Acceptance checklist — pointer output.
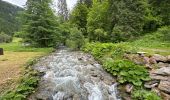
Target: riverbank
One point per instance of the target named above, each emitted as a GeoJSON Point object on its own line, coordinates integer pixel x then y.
{"type": "Point", "coordinates": [13, 63]}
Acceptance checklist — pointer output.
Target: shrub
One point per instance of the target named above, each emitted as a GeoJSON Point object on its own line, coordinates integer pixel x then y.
{"type": "Point", "coordinates": [100, 34]}
{"type": "Point", "coordinates": [98, 50]}
{"type": "Point", "coordinates": [76, 39]}
{"type": "Point", "coordinates": [165, 31]}
{"type": "Point", "coordinates": [141, 94]}
{"type": "Point", "coordinates": [5, 38]}
{"type": "Point", "coordinates": [127, 71]}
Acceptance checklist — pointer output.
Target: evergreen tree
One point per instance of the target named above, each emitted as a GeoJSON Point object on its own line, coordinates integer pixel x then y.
{"type": "Point", "coordinates": [161, 9]}
{"type": "Point", "coordinates": [40, 24]}
{"type": "Point", "coordinates": [119, 19]}
{"type": "Point", "coordinates": [79, 17]}
{"type": "Point", "coordinates": [63, 11]}
{"type": "Point", "coordinates": [98, 20]}
{"type": "Point", "coordinates": [8, 21]}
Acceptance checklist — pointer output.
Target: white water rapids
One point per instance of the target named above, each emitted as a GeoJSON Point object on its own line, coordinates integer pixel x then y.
{"type": "Point", "coordinates": [73, 76]}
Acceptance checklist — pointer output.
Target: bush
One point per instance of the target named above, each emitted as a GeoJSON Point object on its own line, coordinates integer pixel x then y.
{"type": "Point", "coordinates": [100, 34]}
{"type": "Point", "coordinates": [127, 71]}
{"type": "Point", "coordinates": [76, 39]}
{"type": "Point", "coordinates": [165, 31]}
{"type": "Point", "coordinates": [5, 38]}
{"type": "Point", "coordinates": [98, 50]}
{"type": "Point", "coordinates": [142, 94]}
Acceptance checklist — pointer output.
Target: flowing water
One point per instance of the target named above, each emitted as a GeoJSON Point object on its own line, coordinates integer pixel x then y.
{"type": "Point", "coordinates": [73, 76]}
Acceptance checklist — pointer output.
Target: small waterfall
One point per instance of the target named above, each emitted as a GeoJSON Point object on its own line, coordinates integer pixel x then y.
{"type": "Point", "coordinates": [94, 92]}
{"type": "Point", "coordinates": [75, 76]}
{"type": "Point", "coordinates": [114, 92]}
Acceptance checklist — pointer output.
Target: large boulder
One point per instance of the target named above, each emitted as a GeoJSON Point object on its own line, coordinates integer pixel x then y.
{"type": "Point", "coordinates": [165, 71]}
{"type": "Point", "coordinates": [159, 58]}
{"type": "Point", "coordinates": [164, 86]}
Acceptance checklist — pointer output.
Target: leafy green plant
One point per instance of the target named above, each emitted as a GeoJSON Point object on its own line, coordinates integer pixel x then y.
{"type": "Point", "coordinates": [141, 94]}
{"type": "Point", "coordinates": [127, 71]}
{"type": "Point", "coordinates": [98, 50]}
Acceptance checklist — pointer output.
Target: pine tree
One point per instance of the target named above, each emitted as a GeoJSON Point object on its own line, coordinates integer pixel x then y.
{"type": "Point", "coordinates": [63, 11]}
{"type": "Point", "coordinates": [40, 23]}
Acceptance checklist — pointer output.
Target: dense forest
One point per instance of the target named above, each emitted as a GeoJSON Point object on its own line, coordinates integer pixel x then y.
{"type": "Point", "coordinates": [97, 20]}
{"type": "Point", "coordinates": [8, 22]}
{"type": "Point", "coordinates": [129, 38]}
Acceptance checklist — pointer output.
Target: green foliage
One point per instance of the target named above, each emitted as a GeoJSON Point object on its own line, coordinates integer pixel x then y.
{"type": "Point", "coordinates": [98, 50]}
{"type": "Point", "coordinates": [40, 24]}
{"type": "Point", "coordinates": [100, 34]}
{"type": "Point", "coordinates": [165, 32]}
{"type": "Point", "coordinates": [5, 38]}
{"type": "Point", "coordinates": [142, 94]}
{"type": "Point", "coordinates": [157, 40]}
{"type": "Point", "coordinates": [127, 71]}
{"type": "Point", "coordinates": [128, 17]}
{"type": "Point", "coordinates": [76, 39]}
{"type": "Point", "coordinates": [115, 51]}
{"type": "Point", "coordinates": [79, 16]}
{"type": "Point", "coordinates": [97, 19]}
{"type": "Point", "coordinates": [161, 9]}
{"type": "Point", "coordinates": [8, 22]}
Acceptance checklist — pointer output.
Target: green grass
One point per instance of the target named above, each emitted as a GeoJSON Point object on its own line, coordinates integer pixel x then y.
{"type": "Point", "coordinates": [157, 42]}
{"type": "Point", "coordinates": [16, 46]}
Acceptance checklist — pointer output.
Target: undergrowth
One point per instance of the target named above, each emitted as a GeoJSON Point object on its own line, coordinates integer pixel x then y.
{"type": "Point", "coordinates": [127, 71]}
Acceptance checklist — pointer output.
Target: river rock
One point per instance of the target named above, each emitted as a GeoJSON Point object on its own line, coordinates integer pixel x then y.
{"type": "Point", "coordinates": [151, 84]}
{"type": "Point", "coordinates": [159, 58]}
{"type": "Point", "coordinates": [164, 86]}
{"type": "Point", "coordinates": [129, 88]}
{"type": "Point", "coordinates": [165, 71]}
